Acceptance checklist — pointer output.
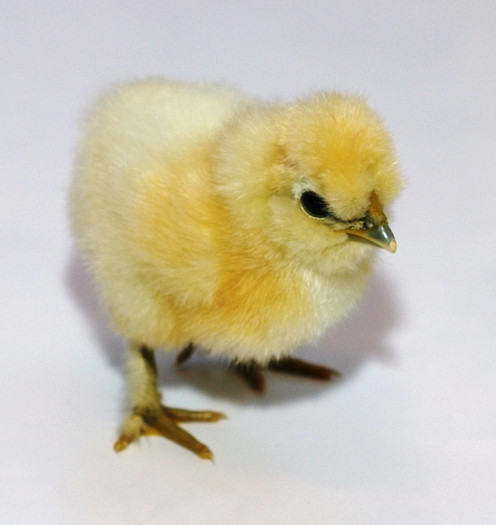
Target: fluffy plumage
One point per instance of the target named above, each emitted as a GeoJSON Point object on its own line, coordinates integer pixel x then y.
{"type": "Point", "coordinates": [187, 204]}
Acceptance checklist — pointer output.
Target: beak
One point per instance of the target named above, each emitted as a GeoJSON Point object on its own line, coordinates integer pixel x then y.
{"type": "Point", "coordinates": [379, 231]}
{"type": "Point", "coordinates": [381, 236]}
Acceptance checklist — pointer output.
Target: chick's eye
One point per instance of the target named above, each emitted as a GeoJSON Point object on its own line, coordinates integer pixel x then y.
{"type": "Point", "coordinates": [314, 205]}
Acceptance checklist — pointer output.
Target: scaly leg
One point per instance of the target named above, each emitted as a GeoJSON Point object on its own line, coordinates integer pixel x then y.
{"type": "Point", "coordinates": [149, 416]}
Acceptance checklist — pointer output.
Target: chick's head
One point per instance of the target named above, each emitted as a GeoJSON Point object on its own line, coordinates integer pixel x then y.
{"type": "Point", "coordinates": [313, 178]}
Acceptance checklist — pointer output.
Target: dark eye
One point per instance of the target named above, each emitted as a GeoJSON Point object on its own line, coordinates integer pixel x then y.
{"type": "Point", "coordinates": [314, 205]}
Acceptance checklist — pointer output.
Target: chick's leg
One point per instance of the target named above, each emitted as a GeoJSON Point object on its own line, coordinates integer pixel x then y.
{"type": "Point", "coordinates": [252, 373]}
{"type": "Point", "coordinates": [149, 416]}
{"type": "Point", "coordinates": [185, 354]}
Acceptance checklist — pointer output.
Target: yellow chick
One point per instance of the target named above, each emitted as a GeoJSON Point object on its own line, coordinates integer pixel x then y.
{"type": "Point", "coordinates": [215, 220]}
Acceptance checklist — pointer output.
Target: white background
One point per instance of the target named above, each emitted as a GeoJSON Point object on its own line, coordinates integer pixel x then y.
{"type": "Point", "coordinates": [408, 435]}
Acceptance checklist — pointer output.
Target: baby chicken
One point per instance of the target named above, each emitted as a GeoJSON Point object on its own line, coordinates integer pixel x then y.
{"type": "Point", "coordinates": [212, 219]}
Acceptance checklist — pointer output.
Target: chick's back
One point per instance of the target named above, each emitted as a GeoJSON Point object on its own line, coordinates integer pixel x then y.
{"type": "Point", "coordinates": [141, 196]}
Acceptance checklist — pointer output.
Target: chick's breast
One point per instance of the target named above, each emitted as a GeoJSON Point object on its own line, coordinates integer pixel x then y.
{"type": "Point", "coordinates": [189, 275]}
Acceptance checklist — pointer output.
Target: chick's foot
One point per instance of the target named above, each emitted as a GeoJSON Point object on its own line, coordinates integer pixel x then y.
{"type": "Point", "coordinates": [291, 365]}
{"type": "Point", "coordinates": [164, 422]}
{"type": "Point", "coordinates": [253, 372]}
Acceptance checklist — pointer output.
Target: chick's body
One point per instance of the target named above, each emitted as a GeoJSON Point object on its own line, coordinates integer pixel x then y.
{"type": "Point", "coordinates": [188, 205]}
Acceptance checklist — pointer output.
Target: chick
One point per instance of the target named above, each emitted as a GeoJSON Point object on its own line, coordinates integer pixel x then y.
{"type": "Point", "coordinates": [213, 219]}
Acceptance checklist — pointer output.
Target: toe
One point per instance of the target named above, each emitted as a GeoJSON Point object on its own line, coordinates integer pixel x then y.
{"type": "Point", "coordinates": [181, 415]}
